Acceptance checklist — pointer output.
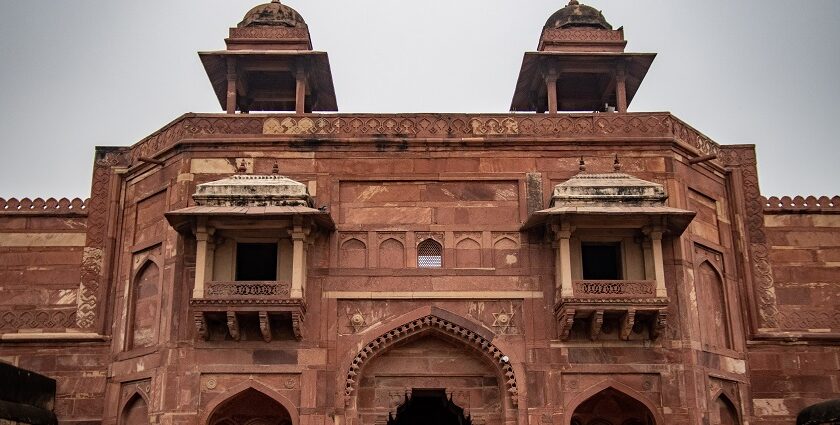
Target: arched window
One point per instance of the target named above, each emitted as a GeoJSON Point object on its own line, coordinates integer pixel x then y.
{"type": "Point", "coordinates": [391, 254]}
{"type": "Point", "coordinates": [429, 254]}
{"type": "Point", "coordinates": [468, 254]}
{"type": "Point", "coordinates": [135, 412]}
{"type": "Point", "coordinates": [353, 254]}
{"type": "Point", "coordinates": [726, 412]}
{"type": "Point", "coordinates": [143, 324]}
{"type": "Point", "coordinates": [714, 321]}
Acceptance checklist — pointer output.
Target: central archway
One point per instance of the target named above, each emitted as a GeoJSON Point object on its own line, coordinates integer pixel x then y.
{"type": "Point", "coordinates": [429, 354]}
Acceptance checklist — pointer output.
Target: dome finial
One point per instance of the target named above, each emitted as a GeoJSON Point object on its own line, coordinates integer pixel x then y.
{"type": "Point", "coordinates": [573, 2]}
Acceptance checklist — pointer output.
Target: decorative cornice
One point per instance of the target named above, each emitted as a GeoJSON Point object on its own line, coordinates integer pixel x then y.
{"type": "Point", "coordinates": [426, 126]}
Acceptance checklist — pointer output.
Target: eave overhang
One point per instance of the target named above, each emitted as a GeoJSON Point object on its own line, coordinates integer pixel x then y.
{"type": "Point", "coordinates": [182, 220]}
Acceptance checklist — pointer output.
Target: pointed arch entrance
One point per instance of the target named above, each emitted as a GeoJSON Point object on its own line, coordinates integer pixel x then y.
{"type": "Point", "coordinates": [611, 406]}
{"type": "Point", "coordinates": [431, 361]}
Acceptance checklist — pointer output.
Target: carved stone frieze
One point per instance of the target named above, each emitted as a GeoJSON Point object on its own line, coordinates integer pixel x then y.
{"type": "Point", "coordinates": [763, 283]}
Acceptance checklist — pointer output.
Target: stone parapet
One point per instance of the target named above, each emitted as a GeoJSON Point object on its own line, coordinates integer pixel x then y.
{"type": "Point", "coordinates": [39, 206]}
{"type": "Point", "coordinates": [809, 204]}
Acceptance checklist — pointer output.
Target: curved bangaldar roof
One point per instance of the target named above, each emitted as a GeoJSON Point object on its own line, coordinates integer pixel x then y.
{"type": "Point", "coordinates": [576, 15]}
{"type": "Point", "coordinates": [252, 190]}
{"type": "Point", "coordinates": [274, 14]}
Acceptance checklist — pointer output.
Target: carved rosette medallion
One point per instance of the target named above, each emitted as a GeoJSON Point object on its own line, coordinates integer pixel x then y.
{"type": "Point", "coordinates": [357, 321]}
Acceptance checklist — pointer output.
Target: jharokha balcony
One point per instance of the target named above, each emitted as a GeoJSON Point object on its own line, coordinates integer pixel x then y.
{"type": "Point", "coordinates": [235, 304]}
{"type": "Point", "coordinates": [609, 231]}
{"type": "Point", "coordinates": [631, 306]}
{"type": "Point", "coordinates": [251, 235]}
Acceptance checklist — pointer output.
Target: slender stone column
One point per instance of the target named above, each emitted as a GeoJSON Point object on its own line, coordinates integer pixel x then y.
{"type": "Point", "coordinates": [203, 258]}
{"type": "Point", "coordinates": [621, 88]}
{"type": "Point", "coordinates": [658, 263]}
{"type": "Point", "coordinates": [298, 262]}
{"type": "Point", "coordinates": [231, 87]}
{"type": "Point", "coordinates": [300, 92]}
{"type": "Point", "coordinates": [563, 261]}
{"type": "Point", "coordinates": [551, 88]}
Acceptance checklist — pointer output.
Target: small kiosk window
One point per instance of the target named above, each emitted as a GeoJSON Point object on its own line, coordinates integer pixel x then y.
{"type": "Point", "coordinates": [601, 261]}
{"type": "Point", "coordinates": [256, 261]}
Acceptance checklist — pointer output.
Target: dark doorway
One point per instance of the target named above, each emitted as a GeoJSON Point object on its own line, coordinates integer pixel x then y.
{"type": "Point", "coordinates": [427, 407]}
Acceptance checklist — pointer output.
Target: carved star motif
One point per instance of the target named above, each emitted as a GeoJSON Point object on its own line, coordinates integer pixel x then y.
{"type": "Point", "coordinates": [503, 320]}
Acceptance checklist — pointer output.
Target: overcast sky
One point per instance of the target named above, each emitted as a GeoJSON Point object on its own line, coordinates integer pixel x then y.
{"type": "Point", "coordinates": [75, 74]}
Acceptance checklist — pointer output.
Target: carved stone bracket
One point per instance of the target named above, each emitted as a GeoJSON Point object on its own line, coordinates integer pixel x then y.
{"type": "Point", "coordinates": [201, 325]}
{"type": "Point", "coordinates": [596, 325]}
{"type": "Point", "coordinates": [627, 322]}
{"type": "Point", "coordinates": [660, 321]}
{"type": "Point", "coordinates": [233, 325]}
{"type": "Point", "coordinates": [565, 322]}
{"type": "Point", "coordinates": [265, 326]}
{"type": "Point", "coordinates": [297, 325]}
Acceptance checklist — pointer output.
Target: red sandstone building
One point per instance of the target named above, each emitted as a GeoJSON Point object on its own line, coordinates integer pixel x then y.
{"type": "Point", "coordinates": [571, 263]}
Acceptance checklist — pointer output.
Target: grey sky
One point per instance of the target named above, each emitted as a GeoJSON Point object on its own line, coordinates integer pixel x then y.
{"type": "Point", "coordinates": [76, 74]}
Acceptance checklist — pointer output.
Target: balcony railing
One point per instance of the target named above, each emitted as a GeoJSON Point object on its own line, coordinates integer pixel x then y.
{"type": "Point", "coordinates": [247, 289]}
{"type": "Point", "coordinates": [600, 289]}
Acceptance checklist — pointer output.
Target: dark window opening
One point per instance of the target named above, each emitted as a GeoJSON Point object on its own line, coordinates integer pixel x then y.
{"type": "Point", "coordinates": [601, 261]}
{"type": "Point", "coordinates": [256, 261]}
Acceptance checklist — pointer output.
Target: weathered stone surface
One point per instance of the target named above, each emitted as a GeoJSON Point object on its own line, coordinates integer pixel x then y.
{"type": "Point", "coordinates": [732, 318]}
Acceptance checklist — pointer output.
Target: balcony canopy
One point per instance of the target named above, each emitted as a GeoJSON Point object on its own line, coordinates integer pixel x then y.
{"type": "Point", "coordinates": [248, 196]}
{"type": "Point", "coordinates": [611, 200]}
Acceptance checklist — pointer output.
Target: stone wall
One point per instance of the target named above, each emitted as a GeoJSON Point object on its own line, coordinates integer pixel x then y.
{"type": "Point", "coordinates": [41, 245]}
{"type": "Point", "coordinates": [805, 256]}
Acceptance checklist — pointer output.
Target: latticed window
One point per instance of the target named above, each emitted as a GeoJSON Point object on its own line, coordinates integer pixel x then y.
{"type": "Point", "coordinates": [429, 254]}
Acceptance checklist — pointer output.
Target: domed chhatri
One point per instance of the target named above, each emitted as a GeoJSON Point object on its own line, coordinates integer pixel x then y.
{"type": "Point", "coordinates": [274, 14]}
{"type": "Point", "coordinates": [576, 15]}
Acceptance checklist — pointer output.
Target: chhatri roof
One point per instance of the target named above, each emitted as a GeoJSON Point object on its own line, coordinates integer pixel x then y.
{"type": "Point", "coordinates": [578, 15]}
{"type": "Point", "coordinates": [274, 14]}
